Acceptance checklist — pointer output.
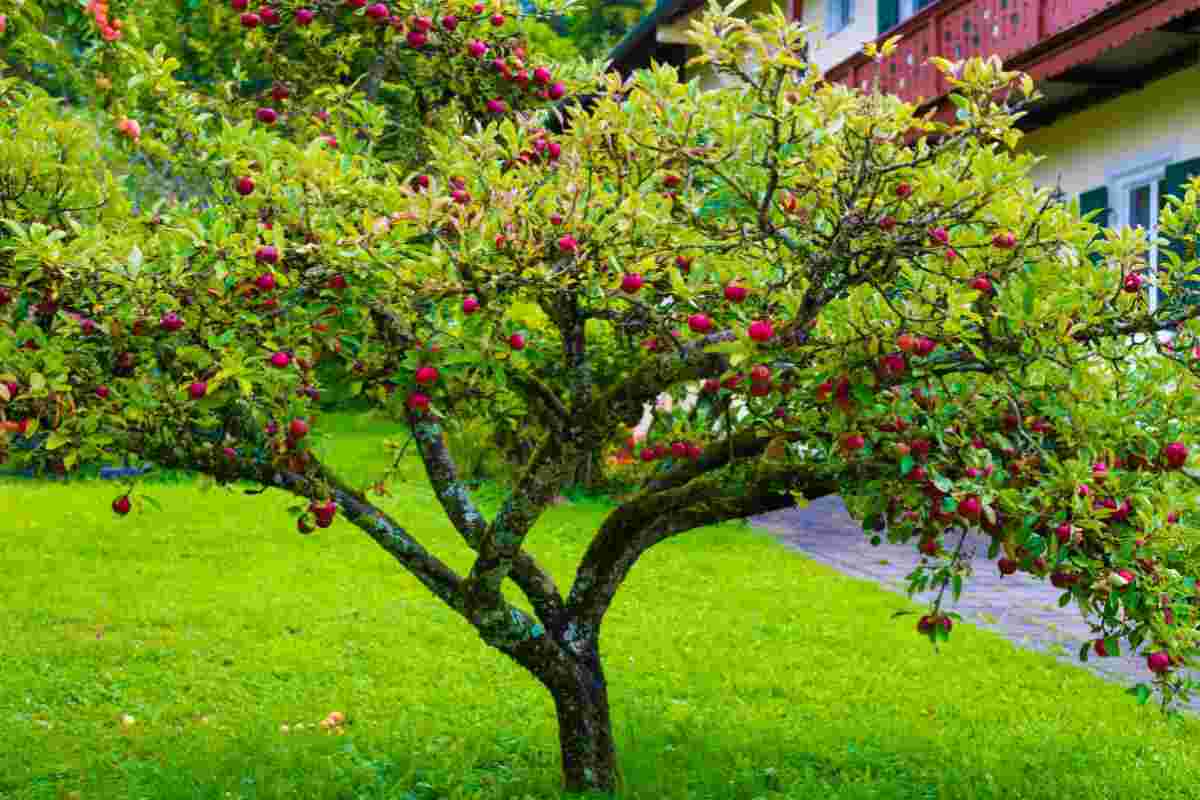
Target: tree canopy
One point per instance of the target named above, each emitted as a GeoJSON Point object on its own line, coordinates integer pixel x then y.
{"type": "Point", "coordinates": [858, 300]}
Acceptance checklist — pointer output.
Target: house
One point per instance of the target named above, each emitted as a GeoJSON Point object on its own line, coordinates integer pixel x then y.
{"type": "Point", "coordinates": [1118, 126]}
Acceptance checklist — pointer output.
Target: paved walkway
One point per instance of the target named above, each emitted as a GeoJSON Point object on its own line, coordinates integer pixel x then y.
{"type": "Point", "coordinates": [1020, 607]}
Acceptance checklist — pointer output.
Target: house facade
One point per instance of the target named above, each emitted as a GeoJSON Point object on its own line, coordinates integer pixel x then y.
{"type": "Point", "coordinates": [1118, 128]}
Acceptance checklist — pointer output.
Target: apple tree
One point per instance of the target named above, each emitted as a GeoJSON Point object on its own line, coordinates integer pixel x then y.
{"type": "Point", "coordinates": [839, 296]}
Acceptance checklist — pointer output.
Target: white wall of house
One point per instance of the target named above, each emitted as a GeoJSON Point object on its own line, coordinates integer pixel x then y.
{"type": "Point", "coordinates": [830, 48]}
{"type": "Point", "coordinates": [1088, 147]}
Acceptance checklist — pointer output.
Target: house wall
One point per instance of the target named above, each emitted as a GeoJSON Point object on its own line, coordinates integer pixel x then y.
{"type": "Point", "coordinates": [829, 51]}
{"type": "Point", "coordinates": [1084, 147]}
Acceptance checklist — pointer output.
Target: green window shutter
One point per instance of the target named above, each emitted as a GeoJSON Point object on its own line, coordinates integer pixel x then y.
{"type": "Point", "coordinates": [922, 3]}
{"type": "Point", "coordinates": [1174, 184]}
{"type": "Point", "coordinates": [889, 14]}
{"type": "Point", "coordinates": [1092, 200]}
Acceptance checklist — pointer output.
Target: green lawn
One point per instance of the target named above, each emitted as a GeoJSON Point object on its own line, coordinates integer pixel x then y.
{"type": "Point", "coordinates": [738, 670]}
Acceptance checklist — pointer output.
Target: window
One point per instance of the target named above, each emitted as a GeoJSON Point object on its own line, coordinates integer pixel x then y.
{"type": "Point", "coordinates": [1137, 193]}
{"type": "Point", "coordinates": [838, 14]}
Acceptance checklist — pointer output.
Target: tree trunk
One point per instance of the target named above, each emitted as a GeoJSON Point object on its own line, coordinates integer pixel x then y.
{"type": "Point", "coordinates": [589, 757]}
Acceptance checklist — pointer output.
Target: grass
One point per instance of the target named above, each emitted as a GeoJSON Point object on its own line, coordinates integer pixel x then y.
{"type": "Point", "coordinates": [737, 669]}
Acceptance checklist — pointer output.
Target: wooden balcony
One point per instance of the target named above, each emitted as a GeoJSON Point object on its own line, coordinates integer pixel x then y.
{"type": "Point", "coordinates": [1117, 42]}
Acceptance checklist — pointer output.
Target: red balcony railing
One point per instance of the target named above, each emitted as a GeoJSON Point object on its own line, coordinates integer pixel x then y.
{"type": "Point", "coordinates": [957, 29]}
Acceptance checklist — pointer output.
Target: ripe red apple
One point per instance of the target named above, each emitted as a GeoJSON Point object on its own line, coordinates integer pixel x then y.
{"type": "Point", "coordinates": [731, 381]}
{"type": "Point", "coordinates": [648, 454]}
{"type": "Point", "coordinates": [632, 282]}
{"type": "Point", "coordinates": [497, 20]}
{"type": "Point", "coordinates": [1007, 566]}
{"type": "Point", "coordinates": [1004, 241]}
{"type": "Point", "coordinates": [854, 442]}
{"type": "Point", "coordinates": [1127, 576]}
{"type": "Point", "coordinates": [700, 323]}
{"type": "Point", "coordinates": [887, 222]}
{"type": "Point", "coordinates": [939, 235]}
{"type": "Point", "coordinates": [1159, 662]}
{"type": "Point", "coordinates": [679, 449]}
{"type": "Point", "coordinates": [981, 284]}
{"type": "Point", "coordinates": [760, 373]}
{"type": "Point", "coordinates": [568, 244]}
{"type": "Point", "coordinates": [516, 341]}
{"type": "Point", "coordinates": [760, 389]}
{"type": "Point", "coordinates": [1132, 283]}
{"type": "Point", "coordinates": [970, 507]}
{"type": "Point", "coordinates": [245, 185]}
{"type": "Point", "coordinates": [470, 305]}
{"type": "Point", "coordinates": [102, 392]}
{"type": "Point", "coordinates": [426, 375]}
{"type": "Point", "coordinates": [460, 196]}
{"type": "Point", "coordinates": [761, 330]}
{"type": "Point", "coordinates": [477, 49]}
{"type": "Point", "coordinates": [557, 91]}
{"type": "Point", "coordinates": [1176, 454]}
{"type": "Point", "coordinates": [903, 190]}
{"type": "Point", "coordinates": [930, 547]}
{"type": "Point", "coordinates": [920, 448]}
{"type": "Point", "coordinates": [305, 16]}
{"type": "Point", "coordinates": [694, 451]}
{"type": "Point", "coordinates": [1101, 650]}
{"type": "Point", "coordinates": [170, 322]}
{"type": "Point", "coordinates": [449, 22]}
{"type": "Point", "coordinates": [280, 359]}
{"type": "Point", "coordinates": [735, 293]}
{"type": "Point", "coordinates": [121, 505]}
{"type": "Point", "coordinates": [906, 342]}
{"type": "Point", "coordinates": [418, 401]}
{"type": "Point", "coordinates": [542, 75]}
{"type": "Point", "coordinates": [250, 20]}
{"type": "Point", "coordinates": [711, 386]}
{"type": "Point", "coordinates": [265, 281]}
{"type": "Point", "coordinates": [267, 254]}
{"type": "Point", "coordinates": [267, 116]}
{"type": "Point", "coordinates": [894, 365]}
{"type": "Point", "coordinates": [298, 428]}
{"type": "Point", "coordinates": [496, 106]}
{"type": "Point", "coordinates": [1061, 579]}
{"type": "Point", "coordinates": [925, 346]}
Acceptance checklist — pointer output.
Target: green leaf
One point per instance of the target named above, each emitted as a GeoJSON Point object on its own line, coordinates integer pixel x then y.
{"type": "Point", "coordinates": [150, 501]}
{"type": "Point", "coordinates": [1141, 691]}
{"type": "Point", "coordinates": [906, 465]}
{"type": "Point", "coordinates": [1064, 599]}
{"type": "Point", "coordinates": [57, 440]}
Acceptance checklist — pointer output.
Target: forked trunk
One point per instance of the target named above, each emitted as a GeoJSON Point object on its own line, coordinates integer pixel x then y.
{"type": "Point", "coordinates": [589, 756]}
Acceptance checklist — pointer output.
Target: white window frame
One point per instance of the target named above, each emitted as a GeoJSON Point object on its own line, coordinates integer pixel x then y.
{"type": "Point", "coordinates": [1146, 168]}
{"type": "Point", "coordinates": [835, 20]}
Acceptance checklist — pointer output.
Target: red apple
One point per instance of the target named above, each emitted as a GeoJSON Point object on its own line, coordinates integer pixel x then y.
{"type": "Point", "coordinates": [700, 323]}
{"type": "Point", "coordinates": [735, 293]}
{"type": "Point", "coordinates": [1159, 662]}
{"type": "Point", "coordinates": [121, 505]}
{"type": "Point", "coordinates": [426, 375]}
{"type": "Point", "coordinates": [516, 341]}
{"type": "Point", "coordinates": [470, 305]}
{"type": "Point", "coordinates": [761, 330]}
{"type": "Point", "coordinates": [1007, 566]}
{"type": "Point", "coordinates": [298, 428]}
{"type": "Point", "coordinates": [632, 282]}
{"type": "Point", "coordinates": [1176, 454]}
{"type": "Point", "coordinates": [245, 185]}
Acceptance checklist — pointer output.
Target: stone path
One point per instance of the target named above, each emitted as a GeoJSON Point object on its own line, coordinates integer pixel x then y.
{"type": "Point", "coordinates": [1021, 608]}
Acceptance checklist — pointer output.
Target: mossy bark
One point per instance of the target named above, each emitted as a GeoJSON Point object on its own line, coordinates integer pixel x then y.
{"type": "Point", "coordinates": [589, 754]}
